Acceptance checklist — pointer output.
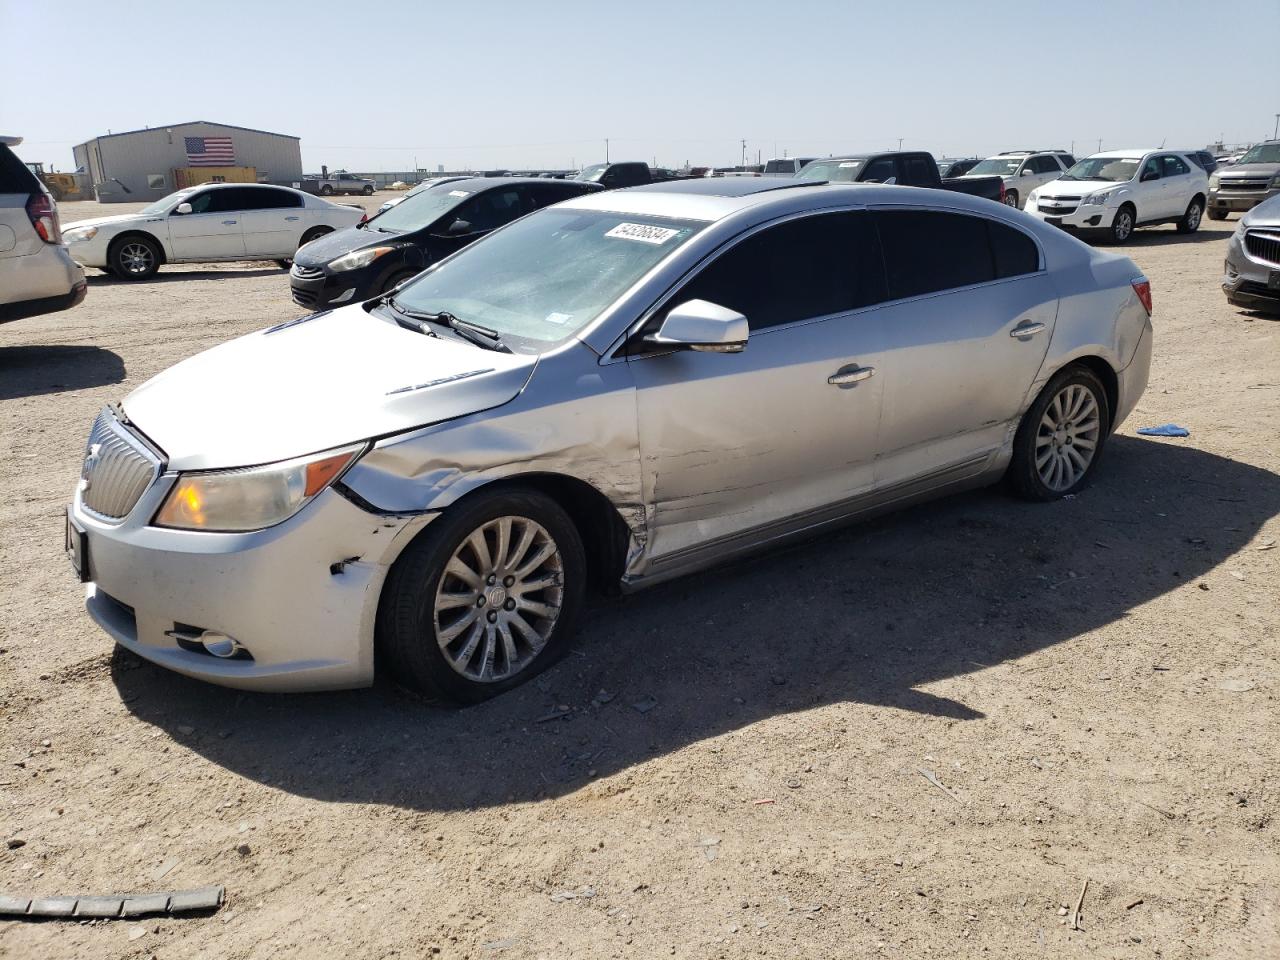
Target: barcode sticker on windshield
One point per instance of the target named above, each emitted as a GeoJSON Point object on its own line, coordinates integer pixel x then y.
{"type": "Point", "coordinates": [855, 163]}
{"type": "Point", "coordinates": [459, 193]}
{"type": "Point", "coordinates": [645, 233]}
{"type": "Point", "coordinates": [559, 317]}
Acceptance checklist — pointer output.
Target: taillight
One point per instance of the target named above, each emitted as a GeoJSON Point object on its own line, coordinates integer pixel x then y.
{"type": "Point", "coordinates": [1002, 191]}
{"type": "Point", "coordinates": [1143, 289]}
{"type": "Point", "coordinates": [44, 217]}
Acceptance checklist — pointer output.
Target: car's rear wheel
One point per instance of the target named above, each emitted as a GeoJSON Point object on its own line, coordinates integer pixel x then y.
{"type": "Point", "coordinates": [313, 234]}
{"type": "Point", "coordinates": [134, 258]}
{"type": "Point", "coordinates": [1190, 221]}
{"type": "Point", "coordinates": [1059, 442]}
{"type": "Point", "coordinates": [368, 191]}
{"type": "Point", "coordinates": [1122, 225]}
{"type": "Point", "coordinates": [326, 191]}
{"type": "Point", "coordinates": [1011, 199]}
{"type": "Point", "coordinates": [485, 598]}
{"type": "Point", "coordinates": [1217, 214]}
{"type": "Point", "coordinates": [283, 264]}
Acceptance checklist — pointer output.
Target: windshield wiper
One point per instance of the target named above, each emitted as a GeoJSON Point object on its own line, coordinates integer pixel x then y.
{"type": "Point", "coordinates": [473, 332]}
{"type": "Point", "coordinates": [417, 320]}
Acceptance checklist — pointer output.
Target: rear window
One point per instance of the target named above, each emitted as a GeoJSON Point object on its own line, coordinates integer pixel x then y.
{"type": "Point", "coordinates": [14, 175]}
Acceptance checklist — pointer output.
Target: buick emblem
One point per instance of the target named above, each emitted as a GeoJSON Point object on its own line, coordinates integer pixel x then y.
{"type": "Point", "coordinates": [90, 461]}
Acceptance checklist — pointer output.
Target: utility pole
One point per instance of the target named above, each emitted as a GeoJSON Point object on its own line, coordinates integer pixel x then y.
{"type": "Point", "coordinates": [744, 153]}
{"type": "Point", "coordinates": [900, 144]}
{"type": "Point", "coordinates": [1099, 150]}
{"type": "Point", "coordinates": [606, 149]}
{"type": "Point", "coordinates": [1275, 134]}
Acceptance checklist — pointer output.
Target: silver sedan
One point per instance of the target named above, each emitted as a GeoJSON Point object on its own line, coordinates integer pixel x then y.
{"type": "Point", "coordinates": [610, 392]}
{"type": "Point", "coordinates": [1252, 267]}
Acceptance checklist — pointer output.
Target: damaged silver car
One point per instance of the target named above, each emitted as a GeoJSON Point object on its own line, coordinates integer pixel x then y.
{"type": "Point", "coordinates": [604, 394]}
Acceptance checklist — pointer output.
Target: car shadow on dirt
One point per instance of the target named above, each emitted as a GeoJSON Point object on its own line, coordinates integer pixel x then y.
{"type": "Point", "coordinates": [871, 614]}
{"type": "Point", "coordinates": [30, 371]}
{"type": "Point", "coordinates": [178, 275]}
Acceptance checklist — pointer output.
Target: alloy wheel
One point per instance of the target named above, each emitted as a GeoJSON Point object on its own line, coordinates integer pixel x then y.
{"type": "Point", "coordinates": [1067, 437]}
{"type": "Point", "coordinates": [1011, 199]}
{"type": "Point", "coordinates": [136, 258]}
{"type": "Point", "coordinates": [499, 599]}
{"type": "Point", "coordinates": [1123, 225]}
{"type": "Point", "coordinates": [1193, 216]}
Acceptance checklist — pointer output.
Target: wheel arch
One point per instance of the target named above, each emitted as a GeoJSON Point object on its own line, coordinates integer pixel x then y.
{"type": "Point", "coordinates": [142, 234]}
{"type": "Point", "coordinates": [1100, 367]}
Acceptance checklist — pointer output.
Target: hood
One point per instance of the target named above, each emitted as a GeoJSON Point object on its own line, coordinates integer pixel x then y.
{"type": "Point", "coordinates": [106, 221]}
{"type": "Point", "coordinates": [323, 249]}
{"type": "Point", "coordinates": [1248, 170]}
{"type": "Point", "coordinates": [315, 383]}
{"type": "Point", "coordinates": [1077, 188]}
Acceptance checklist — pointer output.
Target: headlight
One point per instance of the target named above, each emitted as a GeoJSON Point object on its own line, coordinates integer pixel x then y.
{"type": "Point", "coordinates": [79, 233]}
{"type": "Point", "coordinates": [1033, 196]}
{"type": "Point", "coordinates": [1275, 181]}
{"type": "Point", "coordinates": [1214, 179]}
{"type": "Point", "coordinates": [251, 498]}
{"type": "Point", "coordinates": [358, 258]}
{"type": "Point", "coordinates": [1102, 198]}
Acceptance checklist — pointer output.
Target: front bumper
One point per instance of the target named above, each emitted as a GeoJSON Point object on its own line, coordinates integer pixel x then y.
{"type": "Point", "coordinates": [315, 288]}
{"type": "Point", "coordinates": [1238, 201]}
{"type": "Point", "coordinates": [1074, 218]}
{"type": "Point", "coordinates": [1248, 282]}
{"type": "Point", "coordinates": [301, 597]}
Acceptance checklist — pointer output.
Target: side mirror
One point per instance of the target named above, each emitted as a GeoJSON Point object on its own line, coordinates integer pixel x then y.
{"type": "Point", "coordinates": [1150, 175]}
{"type": "Point", "coordinates": [702, 326]}
{"type": "Point", "coordinates": [182, 209]}
{"type": "Point", "coordinates": [1026, 172]}
{"type": "Point", "coordinates": [458, 228]}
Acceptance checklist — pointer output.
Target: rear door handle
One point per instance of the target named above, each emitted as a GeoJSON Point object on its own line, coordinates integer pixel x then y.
{"type": "Point", "coordinates": [848, 376]}
{"type": "Point", "coordinates": [1026, 330]}
{"type": "Point", "coordinates": [229, 223]}
{"type": "Point", "coordinates": [291, 218]}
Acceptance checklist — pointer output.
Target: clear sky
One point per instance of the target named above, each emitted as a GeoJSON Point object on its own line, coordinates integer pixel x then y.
{"type": "Point", "coordinates": [372, 86]}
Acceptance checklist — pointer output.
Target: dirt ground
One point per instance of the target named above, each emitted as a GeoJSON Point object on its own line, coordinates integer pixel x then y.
{"type": "Point", "coordinates": [1092, 684]}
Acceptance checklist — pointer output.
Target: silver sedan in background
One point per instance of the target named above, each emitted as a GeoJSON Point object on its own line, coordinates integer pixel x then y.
{"type": "Point", "coordinates": [1251, 277]}
{"type": "Point", "coordinates": [612, 392]}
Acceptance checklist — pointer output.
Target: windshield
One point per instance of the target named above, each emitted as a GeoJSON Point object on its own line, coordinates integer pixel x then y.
{"type": "Point", "coordinates": [164, 203]}
{"type": "Point", "coordinates": [780, 166]}
{"type": "Point", "coordinates": [1262, 153]}
{"type": "Point", "coordinates": [592, 173]}
{"type": "Point", "coordinates": [833, 171]}
{"type": "Point", "coordinates": [1109, 169]}
{"type": "Point", "coordinates": [997, 167]}
{"type": "Point", "coordinates": [544, 278]}
{"type": "Point", "coordinates": [418, 210]}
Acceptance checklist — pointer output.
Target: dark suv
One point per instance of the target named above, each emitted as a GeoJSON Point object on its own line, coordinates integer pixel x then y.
{"type": "Point", "coordinates": [350, 265]}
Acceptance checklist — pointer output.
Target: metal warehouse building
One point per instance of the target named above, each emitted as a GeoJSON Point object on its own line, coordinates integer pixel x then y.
{"type": "Point", "coordinates": [148, 164]}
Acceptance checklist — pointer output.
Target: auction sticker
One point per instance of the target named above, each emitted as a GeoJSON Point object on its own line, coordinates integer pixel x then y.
{"type": "Point", "coordinates": [459, 193]}
{"type": "Point", "coordinates": [644, 232]}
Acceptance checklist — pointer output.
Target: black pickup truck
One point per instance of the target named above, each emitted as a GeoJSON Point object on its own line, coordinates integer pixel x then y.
{"type": "Point", "coordinates": [629, 174]}
{"type": "Point", "coordinates": [910, 169]}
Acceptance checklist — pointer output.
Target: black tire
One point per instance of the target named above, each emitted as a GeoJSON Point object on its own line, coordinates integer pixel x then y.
{"type": "Point", "coordinates": [1024, 477]}
{"type": "Point", "coordinates": [1190, 221]}
{"type": "Point", "coordinates": [57, 194]}
{"type": "Point", "coordinates": [1011, 199]}
{"type": "Point", "coordinates": [1216, 214]}
{"type": "Point", "coordinates": [283, 264]}
{"type": "Point", "coordinates": [1123, 225]}
{"type": "Point", "coordinates": [368, 191]}
{"type": "Point", "coordinates": [326, 191]}
{"type": "Point", "coordinates": [398, 278]}
{"type": "Point", "coordinates": [406, 634]}
{"type": "Point", "coordinates": [313, 234]}
{"type": "Point", "coordinates": [134, 257]}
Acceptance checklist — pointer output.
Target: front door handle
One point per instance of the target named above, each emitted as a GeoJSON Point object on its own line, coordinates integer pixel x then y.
{"type": "Point", "coordinates": [291, 218]}
{"type": "Point", "coordinates": [848, 376]}
{"type": "Point", "coordinates": [229, 223]}
{"type": "Point", "coordinates": [1026, 330]}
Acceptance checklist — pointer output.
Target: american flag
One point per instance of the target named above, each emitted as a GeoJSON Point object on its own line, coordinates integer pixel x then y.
{"type": "Point", "coordinates": [210, 152]}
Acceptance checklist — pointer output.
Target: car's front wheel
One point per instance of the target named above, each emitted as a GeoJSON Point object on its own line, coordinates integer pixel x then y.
{"type": "Point", "coordinates": [1060, 439]}
{"type": "Point", "coordinates": [1011, 199]}
{"type": "Point", "coordinates": [485, 598]}
{"type": "Point", "coordinates": [1122, 225]}
{"type": "Point", "coordinates": [326, 191]}
{"type": "Point", "coordinates": [1190, 221]}
{"type": "Point", "coordinates": [134, 258]}
{"type": "Point", "coordinates": [368, 191]}
{"type": "Point", "coordinates": [1217, 214]}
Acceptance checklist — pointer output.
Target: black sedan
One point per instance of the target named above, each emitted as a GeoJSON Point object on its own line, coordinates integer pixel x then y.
{"type": "Point", "coordinates": [350, 265]}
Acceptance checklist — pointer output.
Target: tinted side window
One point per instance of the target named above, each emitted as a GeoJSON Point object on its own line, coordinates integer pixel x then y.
{"type": "Point", "coordinates": [879, 170]}
{"type": "Point", "coordinates": [201, 202]}
{"type": "Point", "coordinates": [1044, 165]}
{"type": "Point", "coordinates": [14, 175]}
{"type": "Point", "coordinates": [1012, 250]}
{"type": "Point", "coordinates": [1068, 161]}
{"type": "Point", "coordinates": [266, 198]}
{"type": "Point", "coordinates": [917, 172]}
{"type": "Point", "coordinates": [544, 195]}
{"type": "Point", "coordinates": [491, 209]}
{"type": "Point", "coordinates": [231, 199]}
{"type": "Point", "coordinates": [1173, 167]}
{"type": "Point", "coordinates": [1152, 166]}
{"type": "Point", "coordinates": [925, 252]}
{"type": "Point", "coordinates": [795, 271]}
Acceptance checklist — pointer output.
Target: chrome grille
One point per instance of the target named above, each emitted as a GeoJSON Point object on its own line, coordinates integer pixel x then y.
{"type": "Point", "coordinates": [306, 273]}
{"type": "Point", "coordinates": [117, 469]}
{"type": "Point", "coordinates": [1263, 246]}
{"type": "Point", "coordinates": [1244, 183]}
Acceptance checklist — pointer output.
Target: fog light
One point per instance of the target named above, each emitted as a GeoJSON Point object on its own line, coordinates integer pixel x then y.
{"type": "Point", "coordinates": [219, 644]}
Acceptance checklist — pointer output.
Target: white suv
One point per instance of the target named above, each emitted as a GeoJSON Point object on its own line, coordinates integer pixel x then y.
{"type": "Point", "coordinates": [1112, 193]}
{"type": "Point", "coordinates": [37, 275]}
{"type": "Point", "coordinates": [1023, 171]}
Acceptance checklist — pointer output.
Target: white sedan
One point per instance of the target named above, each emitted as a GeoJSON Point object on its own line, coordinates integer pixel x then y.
{"type": "Point", "coordinates": [214, 221]}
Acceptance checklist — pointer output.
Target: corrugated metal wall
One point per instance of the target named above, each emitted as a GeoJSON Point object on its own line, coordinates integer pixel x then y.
{"type": "Point", "coordinates": [139, 166]}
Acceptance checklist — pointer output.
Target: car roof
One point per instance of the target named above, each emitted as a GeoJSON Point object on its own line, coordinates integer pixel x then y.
{"type": "Point", "coordinates": [699, 199]}
{"type": "Point", "coordinates": [1136, 152]}
{"type": "Point", "coordinates": [10, 141]}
